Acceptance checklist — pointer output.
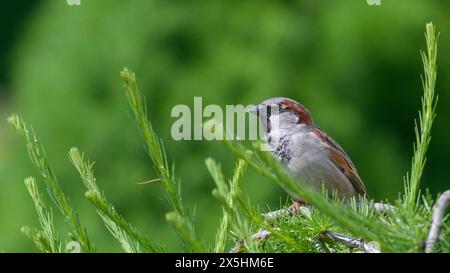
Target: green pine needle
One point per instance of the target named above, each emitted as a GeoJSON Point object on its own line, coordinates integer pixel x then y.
{"type": "Point", "coordinates": [47, 237]}
{"type": "Point", "coordinates": [39, 159]}
{"type": "Point", "coordinates": [426, 117]}
{"type": "Point", "coordinates": [227, 196]}
{"type": "Point", "coordinates": [179, 218]}
{"type": "Point", "coordinates": [130, 239]}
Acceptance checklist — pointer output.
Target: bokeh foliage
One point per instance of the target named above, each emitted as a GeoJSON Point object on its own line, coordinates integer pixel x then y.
{"type": "Point", "coordinates": [355, 66]}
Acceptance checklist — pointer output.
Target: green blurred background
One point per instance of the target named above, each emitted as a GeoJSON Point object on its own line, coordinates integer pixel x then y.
{"type": "Point", "coordinates": [355, 66]}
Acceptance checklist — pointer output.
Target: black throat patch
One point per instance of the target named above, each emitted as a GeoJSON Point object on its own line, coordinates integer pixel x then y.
{"type": "Point", "coordinates": [268, 114]}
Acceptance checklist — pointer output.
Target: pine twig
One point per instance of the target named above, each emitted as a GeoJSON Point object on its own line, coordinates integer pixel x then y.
{"type": "Point", "coordinates": [36, 236]}
{"type": "Point", "coordinates": [303, 210]}
{"type": "Point", "coordinates": [227, 196]}
{"type": "Point", "coordinates": [426, 117]}
{"type": "Point", "coordinates": [238, 247]}
{"type": "Point", "coordinates": [264, 234]}
{"type": "Point", "coordinates": [436, 221]}
{"type": "Point", "coordinates": [48, 237]}
{"type": "Point", "coordinates": [129, 238]}
{"type": "Point", "coordinates": [351, 242]}
{"type": "Point", "coordinates": [261, 235]}
{"type": "Point", "coordinates": [179, 218]}
{"type": "Point", "coordinates": [37, 155]}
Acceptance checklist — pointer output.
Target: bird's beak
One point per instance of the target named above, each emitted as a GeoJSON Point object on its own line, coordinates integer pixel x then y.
{"type": "Point", "coordinates": [254, 110]}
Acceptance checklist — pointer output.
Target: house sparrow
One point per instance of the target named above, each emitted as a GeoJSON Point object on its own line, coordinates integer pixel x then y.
{"type": "Point", "coordinates": [305, 150]}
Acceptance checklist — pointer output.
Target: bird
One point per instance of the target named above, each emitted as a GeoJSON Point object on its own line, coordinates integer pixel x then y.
{"type": "Point", "coordinates": [306, 151]}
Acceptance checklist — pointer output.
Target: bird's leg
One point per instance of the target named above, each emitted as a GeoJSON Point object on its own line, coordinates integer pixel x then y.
{"type": "Point", "coordinates": [295, 207]}
{"type": "Point", "coordinates": [298, 207]}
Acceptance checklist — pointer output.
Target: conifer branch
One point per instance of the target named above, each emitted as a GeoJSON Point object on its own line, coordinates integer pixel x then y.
{"type": "Point", "coordinates": [353, 243]}
{"type": "Point", "coordinates": [47, 236]}
{"type": "Point", "coordinates": [39, 159]}
{"type": "Point", "coordinates": [179, 217]}
{"type": "Point", "coordinates": [130, 239]}
{"type": "Point", "coordinates": [426, 117]}
{"type": "Point", "coordinates": [37, 238]}
{"type": "Point", "coordinates": [227, 196]}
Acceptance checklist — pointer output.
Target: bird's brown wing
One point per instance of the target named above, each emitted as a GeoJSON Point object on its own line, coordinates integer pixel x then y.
{"type": "Point", "coordinates": [341, 160]}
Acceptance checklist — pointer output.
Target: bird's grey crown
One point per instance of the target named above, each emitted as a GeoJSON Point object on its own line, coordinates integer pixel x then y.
{"type": "Point", "coordinates": [276, 101]}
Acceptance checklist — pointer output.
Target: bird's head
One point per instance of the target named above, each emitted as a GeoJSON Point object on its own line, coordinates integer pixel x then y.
{"type": "Point", "coordinates": [282, 114]}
